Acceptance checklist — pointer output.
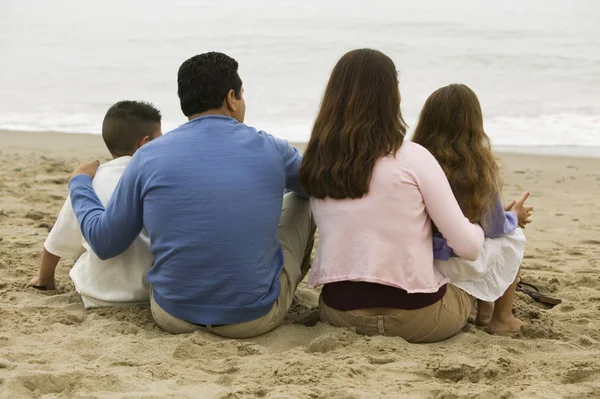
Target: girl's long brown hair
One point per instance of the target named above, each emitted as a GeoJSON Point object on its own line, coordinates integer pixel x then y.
{"type": "Point", "coordinates": [451, 128]}
{"type": "Point", "coordinates": [358, 123]}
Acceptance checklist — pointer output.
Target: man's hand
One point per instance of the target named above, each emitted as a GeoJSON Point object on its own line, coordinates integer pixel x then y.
{"type": "Point", "coordinates": [524, 213]}
{"type": "Point", "coordinates": [87, 168]}
{"type": "Point", "coordinates": [42, 283]}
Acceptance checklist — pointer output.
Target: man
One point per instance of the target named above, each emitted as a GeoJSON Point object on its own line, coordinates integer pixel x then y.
{"type": "Point", "coordinates": [229, 250]}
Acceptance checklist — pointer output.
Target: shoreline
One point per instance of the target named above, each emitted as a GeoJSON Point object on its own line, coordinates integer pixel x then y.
{"type": "Point", "coordinates": [551, 151]}
{"type": "Point", "coordinates": [13, 136]}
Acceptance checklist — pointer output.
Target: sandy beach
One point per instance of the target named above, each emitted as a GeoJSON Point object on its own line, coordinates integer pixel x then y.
{"type": "Point", "coordinates": [51, 347]}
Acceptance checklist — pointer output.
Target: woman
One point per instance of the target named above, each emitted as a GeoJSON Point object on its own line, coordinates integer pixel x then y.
{"type": "Point", "coordinates": [374, 197]}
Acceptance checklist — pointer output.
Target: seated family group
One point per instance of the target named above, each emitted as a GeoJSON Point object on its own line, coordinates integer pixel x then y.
{"type": "Point", "coordinates": [213, 224]}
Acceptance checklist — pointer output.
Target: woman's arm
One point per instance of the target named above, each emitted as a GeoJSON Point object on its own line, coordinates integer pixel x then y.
{"type": "Point", "coordinates": [464, 237]}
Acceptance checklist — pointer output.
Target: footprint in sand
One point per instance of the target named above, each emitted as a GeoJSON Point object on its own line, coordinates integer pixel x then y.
{"type": "Point", "coordinates": [46, 384]}
{"type": "Point", "coordinates": [579, 374]}
{"type": "Point", "coordinates": [537, 331]}
{"type": "Point", "coordinates": [330, 342]}
{"type": "Point", "coordinates": [591, 242]}
{"type": "Point", "coordinates": [35, 215]}
{"type": "Point", "coordinates": [587, 341]}
{"type": "Point", "coordinates": [6, 365]}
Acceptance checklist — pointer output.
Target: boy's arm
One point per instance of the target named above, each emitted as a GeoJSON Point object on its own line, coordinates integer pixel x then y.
{"type": "Point", "coordinates": [291, 160]}
{"type": "Point", "coordinates": [112, 230]}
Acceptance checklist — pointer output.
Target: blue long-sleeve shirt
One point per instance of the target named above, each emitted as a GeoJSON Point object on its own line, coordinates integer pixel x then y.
{"type": "Point", "coordinates": [209, 194]}
{"type": "Point", "coordinates": [495, 223]}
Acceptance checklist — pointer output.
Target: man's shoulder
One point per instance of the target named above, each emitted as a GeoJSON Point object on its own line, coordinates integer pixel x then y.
{"type": "Point", "coordinates": [251, 130]}
{"type": "Point", "coordinates": [258, 135]}
{"type": "Point", "coordinates": [279, 143]}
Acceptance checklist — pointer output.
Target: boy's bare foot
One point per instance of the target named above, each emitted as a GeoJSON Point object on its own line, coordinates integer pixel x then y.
{"type": "Point", "coordinates": [509, 325]}
{"type": "Point", "coordinates": [42, 283]}
{"type": "Point", "coordinates": [484, 313]}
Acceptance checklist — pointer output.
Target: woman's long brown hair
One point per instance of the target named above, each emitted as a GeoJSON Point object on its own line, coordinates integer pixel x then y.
{"type": "Point", "coordinates": [451, 128]}
{"type": "Point", "coordinates": [358, 123]}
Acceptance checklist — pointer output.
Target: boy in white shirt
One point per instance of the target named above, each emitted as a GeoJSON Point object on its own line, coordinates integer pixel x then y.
{"type": "Point", "coordinates": [120, 281]}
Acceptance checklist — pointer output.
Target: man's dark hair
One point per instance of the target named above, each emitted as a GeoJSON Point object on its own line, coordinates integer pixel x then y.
{"type": "Point", "coordinates": [204, 80]}
{"type": "Point", "coordinates": [126, 122]}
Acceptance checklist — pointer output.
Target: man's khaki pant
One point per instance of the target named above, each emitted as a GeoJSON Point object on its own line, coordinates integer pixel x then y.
{"type": "Point", "coordinates": [296, 233]}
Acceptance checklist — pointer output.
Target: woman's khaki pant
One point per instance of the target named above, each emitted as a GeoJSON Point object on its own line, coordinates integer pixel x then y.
{"type": "Point", "coordinates": [433, 323]}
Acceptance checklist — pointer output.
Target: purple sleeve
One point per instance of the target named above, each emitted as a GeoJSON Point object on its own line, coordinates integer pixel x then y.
{"type": "Point", "coordinates": [497, 222]}
{"type": "Point", "coordinates": [441, 249]}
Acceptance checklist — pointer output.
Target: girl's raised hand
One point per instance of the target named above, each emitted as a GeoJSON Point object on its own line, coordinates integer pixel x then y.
{"type": "Point", "coordinates": [524, 213]}
{"type": "Point", "coordinates": [509, 206]}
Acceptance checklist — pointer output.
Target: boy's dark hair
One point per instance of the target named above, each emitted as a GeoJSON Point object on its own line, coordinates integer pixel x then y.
{"type": "Point", "coordinates": [126, 122]}
{"type": "Point", "coordinates": [204, 80]}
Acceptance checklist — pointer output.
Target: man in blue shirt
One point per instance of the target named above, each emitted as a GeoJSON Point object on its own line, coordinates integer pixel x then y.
{"type": "Point", "coordinates": [229, 248]}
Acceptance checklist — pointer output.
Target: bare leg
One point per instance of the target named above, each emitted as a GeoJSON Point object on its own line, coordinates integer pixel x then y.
{"type": "Point", "coordinates": [502, 318]}
{"type": "Point", "coordinates": [44, 280]}
{"type": "Point", "coordinates": [484, 312]}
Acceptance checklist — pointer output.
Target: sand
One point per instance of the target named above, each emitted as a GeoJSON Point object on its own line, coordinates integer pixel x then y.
{"type": "Point", "coordinates": [51, 347]}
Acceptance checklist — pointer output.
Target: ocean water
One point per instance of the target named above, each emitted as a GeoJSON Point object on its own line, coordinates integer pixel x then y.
{"type": "Point", "coordinates": [534, 64]}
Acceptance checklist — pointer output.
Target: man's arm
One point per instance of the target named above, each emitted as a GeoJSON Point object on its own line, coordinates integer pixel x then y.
{"type": "Point", "coordinates": [112, 230]}
{"type": "Point", "coordinates": [291, 160]}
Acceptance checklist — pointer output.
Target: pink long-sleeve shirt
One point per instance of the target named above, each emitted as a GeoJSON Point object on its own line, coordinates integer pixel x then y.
{"type": "Point", "coordinates": [385, 237]}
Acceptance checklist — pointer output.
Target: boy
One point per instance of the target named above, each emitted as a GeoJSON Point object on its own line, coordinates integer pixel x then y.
{"type": "Point", "coordinates": [119, 281]}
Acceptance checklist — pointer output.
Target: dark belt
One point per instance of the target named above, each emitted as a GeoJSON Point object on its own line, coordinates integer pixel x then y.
{"type": "Point", "coordinates": [209, 325]}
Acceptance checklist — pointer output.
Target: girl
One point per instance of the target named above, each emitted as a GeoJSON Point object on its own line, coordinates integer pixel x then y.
{"type": "Point", "coordinates": [451, 128]}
